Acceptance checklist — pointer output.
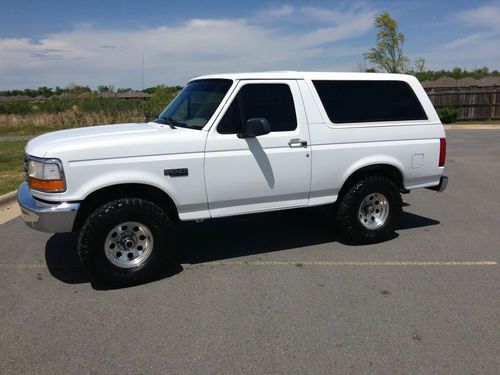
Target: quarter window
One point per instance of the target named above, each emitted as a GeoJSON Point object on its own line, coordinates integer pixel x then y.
{"type": "Point", "coordinates": [272, 101]}
{"type": "Point", "coordinates": [369, 101]}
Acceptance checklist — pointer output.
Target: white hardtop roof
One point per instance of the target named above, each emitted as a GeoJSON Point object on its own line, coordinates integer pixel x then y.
{"type": "Point", "coordinates": [308, 75]}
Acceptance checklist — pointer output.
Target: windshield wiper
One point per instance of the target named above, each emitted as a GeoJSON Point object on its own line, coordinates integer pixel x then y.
{"type": "Point", "coordinates": [170, 121]}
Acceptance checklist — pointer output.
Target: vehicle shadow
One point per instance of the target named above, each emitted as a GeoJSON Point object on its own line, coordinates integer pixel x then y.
{"type": "Point", "coordinates": [64, 264]}
{"type": "Point", "coordinates": [222, 239]}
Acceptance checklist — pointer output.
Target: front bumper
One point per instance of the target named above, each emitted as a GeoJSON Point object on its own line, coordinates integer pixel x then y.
{"type": "Point", "coordinates": [443, 183]}
{"type": "Point", "coordinates": [46, 217]}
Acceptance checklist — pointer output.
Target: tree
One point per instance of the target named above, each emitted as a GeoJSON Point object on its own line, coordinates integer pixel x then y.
{"type": "Point", "coordinates": [419, 65]}
{"type": "Point", "coordinates": [363, 68]}
{"type": "Point", "coordinates": [75, 89]}
{"type": "Point", "coordinates": [102, 89]}
{"type": "Point", "coordinates": [388, 53]}
{"type": "Point", "coordinates": [105, 88]}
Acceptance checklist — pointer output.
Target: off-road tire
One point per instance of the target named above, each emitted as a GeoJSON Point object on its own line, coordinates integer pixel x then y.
{"type": "Point", "coordinates": [97, 226]}
{"type": "Point", "coordinates": [347, 213]}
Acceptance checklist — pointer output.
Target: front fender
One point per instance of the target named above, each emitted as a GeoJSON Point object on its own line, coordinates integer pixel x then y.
{"type": "Point", "coordinates": [186, 191]}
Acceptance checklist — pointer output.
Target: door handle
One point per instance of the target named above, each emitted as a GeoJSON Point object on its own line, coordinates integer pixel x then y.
{"type": "Point", "coordinates": [296, 142]}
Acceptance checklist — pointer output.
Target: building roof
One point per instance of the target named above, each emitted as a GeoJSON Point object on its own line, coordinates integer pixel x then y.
{"type": "Point", "coordinates": [107, 94]}
{"type": "Point", "coordinates": [21, 98]}
{"type": "Point", "coordinates": [440, 82]}
{"type": "Point", "coordinates": [448, 82]}
{"type": "Point", "coordinates": [491, 81]}
{"type": "Point", "coordinates": [132, 94]}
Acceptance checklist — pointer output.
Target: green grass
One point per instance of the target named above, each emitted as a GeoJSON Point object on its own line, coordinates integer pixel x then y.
{"type": "Point", "coordinates": [27, 131]}
{"type": "Point", "coordinates": [11, 165]}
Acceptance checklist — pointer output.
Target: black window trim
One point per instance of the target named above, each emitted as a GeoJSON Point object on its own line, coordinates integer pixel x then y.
{"type": "Point", "coordinates": [367, 124]}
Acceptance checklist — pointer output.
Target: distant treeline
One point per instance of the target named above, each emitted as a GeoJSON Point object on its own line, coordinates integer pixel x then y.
{"type": "Point", "coordinates": [74, 90]}
{"type": "Point", "coordinates": [82, 91]}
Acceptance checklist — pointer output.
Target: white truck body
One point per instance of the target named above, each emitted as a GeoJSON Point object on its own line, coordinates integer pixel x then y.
{"type": "Point", "coordinates": [228, 175]}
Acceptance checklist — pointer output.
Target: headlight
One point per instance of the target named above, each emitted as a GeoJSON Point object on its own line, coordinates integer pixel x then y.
{"type": "Point", "coordinates": [45, 174]}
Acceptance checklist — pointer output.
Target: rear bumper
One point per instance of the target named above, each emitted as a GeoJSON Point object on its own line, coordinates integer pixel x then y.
{"type": "Point", "coordinates": [46, 217]}
{"type": "Point", "coordinates": [443, 183]}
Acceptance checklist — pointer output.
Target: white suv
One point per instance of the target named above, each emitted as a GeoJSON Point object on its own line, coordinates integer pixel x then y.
{"type": "Point", "coordinates": [232, 144]}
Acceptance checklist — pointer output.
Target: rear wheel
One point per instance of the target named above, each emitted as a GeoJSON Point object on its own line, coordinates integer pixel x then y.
{"type": "Point", "coordinates": [369, 210]}
{"type": "Point", "coordinates": [125, 241]}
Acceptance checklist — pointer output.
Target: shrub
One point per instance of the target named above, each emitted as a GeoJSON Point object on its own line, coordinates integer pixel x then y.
{"type": "Point", "coordinates": [448, 115]}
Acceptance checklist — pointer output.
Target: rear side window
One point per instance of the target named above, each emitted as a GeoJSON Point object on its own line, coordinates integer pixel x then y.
{"type": "Point", "coordinates": [369, 101]}
{"type": "Point", "coordinates": [272, 101]}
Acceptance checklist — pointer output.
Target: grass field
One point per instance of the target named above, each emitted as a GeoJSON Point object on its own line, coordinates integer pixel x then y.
{"type": "Point", "coordinates": [39, 123]}
{"type": "Point", "coordinates": [11, 165]}
{"type": "Point", "coordinates": [55, 113]}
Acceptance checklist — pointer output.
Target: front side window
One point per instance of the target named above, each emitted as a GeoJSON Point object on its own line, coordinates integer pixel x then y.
{"type": "Point", "coordinates": [272, 101]}
{"type": "Point", "coordinates": [369, 101]}
{"type": "Point", "coordinates": [195, 104]}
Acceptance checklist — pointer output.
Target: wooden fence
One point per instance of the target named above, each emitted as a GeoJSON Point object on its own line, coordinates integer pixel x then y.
{"type": "Point", "coordinates": [474, 104]}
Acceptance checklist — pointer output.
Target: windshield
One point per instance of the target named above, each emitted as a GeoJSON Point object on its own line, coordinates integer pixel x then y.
{"type": "Point", "coordinates": [195, 104]}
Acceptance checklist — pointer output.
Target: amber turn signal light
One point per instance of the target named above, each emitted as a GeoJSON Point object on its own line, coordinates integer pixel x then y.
{"type": "Point", "coordinates": [52, 186]}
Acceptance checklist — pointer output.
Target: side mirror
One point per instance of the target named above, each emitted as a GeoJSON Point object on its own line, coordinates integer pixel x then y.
{"type": "Point", "coordinates": [255, 127]}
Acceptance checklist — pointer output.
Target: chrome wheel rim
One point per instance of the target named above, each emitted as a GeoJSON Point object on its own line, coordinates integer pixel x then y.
{"type": "Point", "coordinates": [373, 211]}
{"type": "Point", "coordinates": [128, 244]}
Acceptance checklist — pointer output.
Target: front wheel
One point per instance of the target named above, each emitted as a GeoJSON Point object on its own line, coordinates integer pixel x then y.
{"type": "Point", "coordinates": [125, 241]}
{"type": "Point", "coordinates": [369, 211]}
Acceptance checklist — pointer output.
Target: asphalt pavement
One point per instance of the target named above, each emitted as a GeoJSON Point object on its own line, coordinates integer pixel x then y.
{"type": "Point", "coordinates": [277, 293]}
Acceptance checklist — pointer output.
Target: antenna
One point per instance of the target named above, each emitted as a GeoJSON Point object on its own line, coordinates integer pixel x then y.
{"type": "Point", "coordinates": [145, 119]}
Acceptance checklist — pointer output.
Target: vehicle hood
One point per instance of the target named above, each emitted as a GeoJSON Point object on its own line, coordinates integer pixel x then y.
{"type": "Point", "coordinates": [115, 141]}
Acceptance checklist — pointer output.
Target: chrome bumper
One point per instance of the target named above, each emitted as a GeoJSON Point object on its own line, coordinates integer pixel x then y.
{"type": "Point", "coordinates": [46, 217]}
{"type": "Point", "coordinates": [443, 183]}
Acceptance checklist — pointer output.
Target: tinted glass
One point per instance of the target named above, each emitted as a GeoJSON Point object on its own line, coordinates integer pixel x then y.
{"type": "Point", "coordinates": [271, 101]}
{"type": "Point", "coordinates": [367, 101]}
{"type": "Point", "coordinates": [196, 103]}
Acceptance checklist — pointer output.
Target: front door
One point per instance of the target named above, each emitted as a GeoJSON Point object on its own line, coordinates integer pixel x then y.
{"type": "Point", "coordinates": [266, 172]}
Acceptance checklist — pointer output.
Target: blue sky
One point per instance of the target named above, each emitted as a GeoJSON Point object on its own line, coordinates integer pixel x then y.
{"type": "Point", "coordinates": [49, 43]}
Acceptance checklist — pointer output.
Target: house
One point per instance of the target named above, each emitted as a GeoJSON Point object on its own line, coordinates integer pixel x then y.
{"type": "Point", "coordinates": [467, 83]}
{"type": "Point", "coordinates": [133, 95]}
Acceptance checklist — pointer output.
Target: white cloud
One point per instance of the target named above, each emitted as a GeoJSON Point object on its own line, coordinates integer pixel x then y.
{"type": "Point", "coordinates": [461, 42]}
{"type": "Point", "coordinates": [467, 57]}
{"type": "Point", "coordinates": [479, 44]}
{"type": "Point", "coordinates": [484, 21]}
{"type": "Point", "coordinates": [484, 17]}
{"type": "Point", "coordinates": [282, 11]}
{"type": "Point", "coordinates": [93, 55]}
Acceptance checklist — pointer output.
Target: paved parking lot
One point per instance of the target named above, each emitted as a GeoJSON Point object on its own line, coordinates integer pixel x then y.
{"type": "Point", "coordinates": [277, 293]}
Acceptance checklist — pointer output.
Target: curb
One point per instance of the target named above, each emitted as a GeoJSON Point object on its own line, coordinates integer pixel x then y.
{"type": "Point", "coordinates": [8, 198]}
{"type": "Point", "coordinates": [468, 127]}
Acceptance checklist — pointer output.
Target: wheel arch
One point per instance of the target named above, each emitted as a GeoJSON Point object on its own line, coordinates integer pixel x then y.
{"type": "Point", "coordinates": [384, 169]}
{"type": "Point", "coordinates": [125, 190]}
